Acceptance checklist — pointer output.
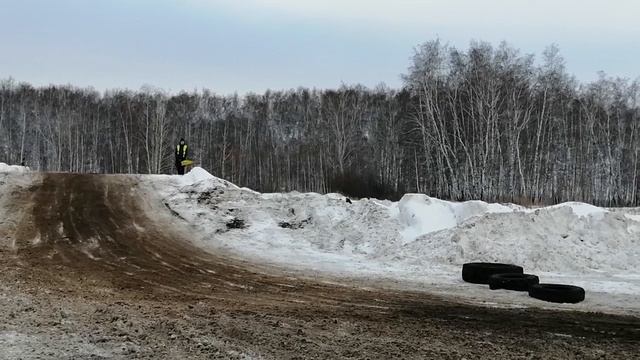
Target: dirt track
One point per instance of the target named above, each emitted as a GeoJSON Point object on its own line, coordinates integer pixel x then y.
{"type": "Point", "coordinates": [87, 273]}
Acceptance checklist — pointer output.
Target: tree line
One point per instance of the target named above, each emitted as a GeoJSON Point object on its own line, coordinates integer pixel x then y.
{"type": "Point", "coordinates": [484, 123]}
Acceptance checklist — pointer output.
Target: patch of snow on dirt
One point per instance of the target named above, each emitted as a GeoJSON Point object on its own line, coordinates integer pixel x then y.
{"type": "Point", "coordinates": [17, 345]}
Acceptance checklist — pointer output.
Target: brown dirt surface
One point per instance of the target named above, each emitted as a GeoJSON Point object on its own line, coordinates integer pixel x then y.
{"type": "Point", "coordinates": [87, 272]}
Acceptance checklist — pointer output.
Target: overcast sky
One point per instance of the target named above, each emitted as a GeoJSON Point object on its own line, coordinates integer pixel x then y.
{"type": "Point", "coordinates": [252, 45]}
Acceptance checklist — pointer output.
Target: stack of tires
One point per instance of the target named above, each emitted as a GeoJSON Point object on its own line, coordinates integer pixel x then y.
{"type": "Point", "coordinates": [512, 277]}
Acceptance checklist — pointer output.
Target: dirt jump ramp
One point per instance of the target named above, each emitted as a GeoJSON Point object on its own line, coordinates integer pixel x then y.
{"type": "Point", "coordinates": [100, 227]}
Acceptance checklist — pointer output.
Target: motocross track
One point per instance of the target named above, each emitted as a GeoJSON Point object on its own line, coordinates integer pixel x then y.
{"type": "Point", "coordinates": [87, 272]}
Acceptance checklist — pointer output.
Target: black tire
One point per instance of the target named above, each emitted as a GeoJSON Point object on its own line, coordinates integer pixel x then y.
{"type": "Point", "coordinates": [516, 282]}
{"type": "Point", "coordinates": [479, 273]}
{"type": "Point", "coordinates": [557, 293]}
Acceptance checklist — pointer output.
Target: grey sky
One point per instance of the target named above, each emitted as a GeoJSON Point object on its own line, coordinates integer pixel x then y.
{"type": "Point", "coordinates": [252, 45]}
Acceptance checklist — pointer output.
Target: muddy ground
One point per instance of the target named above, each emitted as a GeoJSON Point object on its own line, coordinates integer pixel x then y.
{"type": "Point", "coordinates": [86, 272]}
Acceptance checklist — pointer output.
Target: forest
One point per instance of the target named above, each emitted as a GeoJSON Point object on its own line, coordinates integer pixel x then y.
{"type": "Point", "coordinates": [487, 122]}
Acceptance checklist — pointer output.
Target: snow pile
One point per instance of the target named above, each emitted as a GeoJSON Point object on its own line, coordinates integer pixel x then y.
{"type": "Point", "coordinates": [548, 240]}
{"type": "Point", "coordinates": [569, 237]}
{"type": "Point", "coordinates": [581, 209]}
{"type": "Point", "coordinates": [422, 215]}
{"type": "Point", "coordinates": [4, 168]}
{"type": "Point", "coordinates": [418, 238]}
{"type": "Point", "coordinates": [197, 174]}
{"type": "Point", "coordinates": [201, 178]}
{"type": "Point", "coordinates": [417, 231]}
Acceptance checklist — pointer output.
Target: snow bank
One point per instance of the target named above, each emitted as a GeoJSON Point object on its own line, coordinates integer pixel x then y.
{"type": "Point", "coordinates": [422, 215]}
{"type": "Point", "coordinates": [418, 238]}
{"type": "Point", "coordinates": [418, 231]}
{"type": "Point", "coordinates": [4, 168]}
{"type": "Point", "coordinates": [581, 209]}
{"type": "Point", "coordinates": [547, 240]}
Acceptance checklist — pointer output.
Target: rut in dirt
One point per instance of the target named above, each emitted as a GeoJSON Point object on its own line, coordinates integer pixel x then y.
{"type": "Point", "coordinates": [98, 225]}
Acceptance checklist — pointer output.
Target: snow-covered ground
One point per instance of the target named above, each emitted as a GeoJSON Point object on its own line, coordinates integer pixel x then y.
{"type": "Point", "coordinates": [419, 242]}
